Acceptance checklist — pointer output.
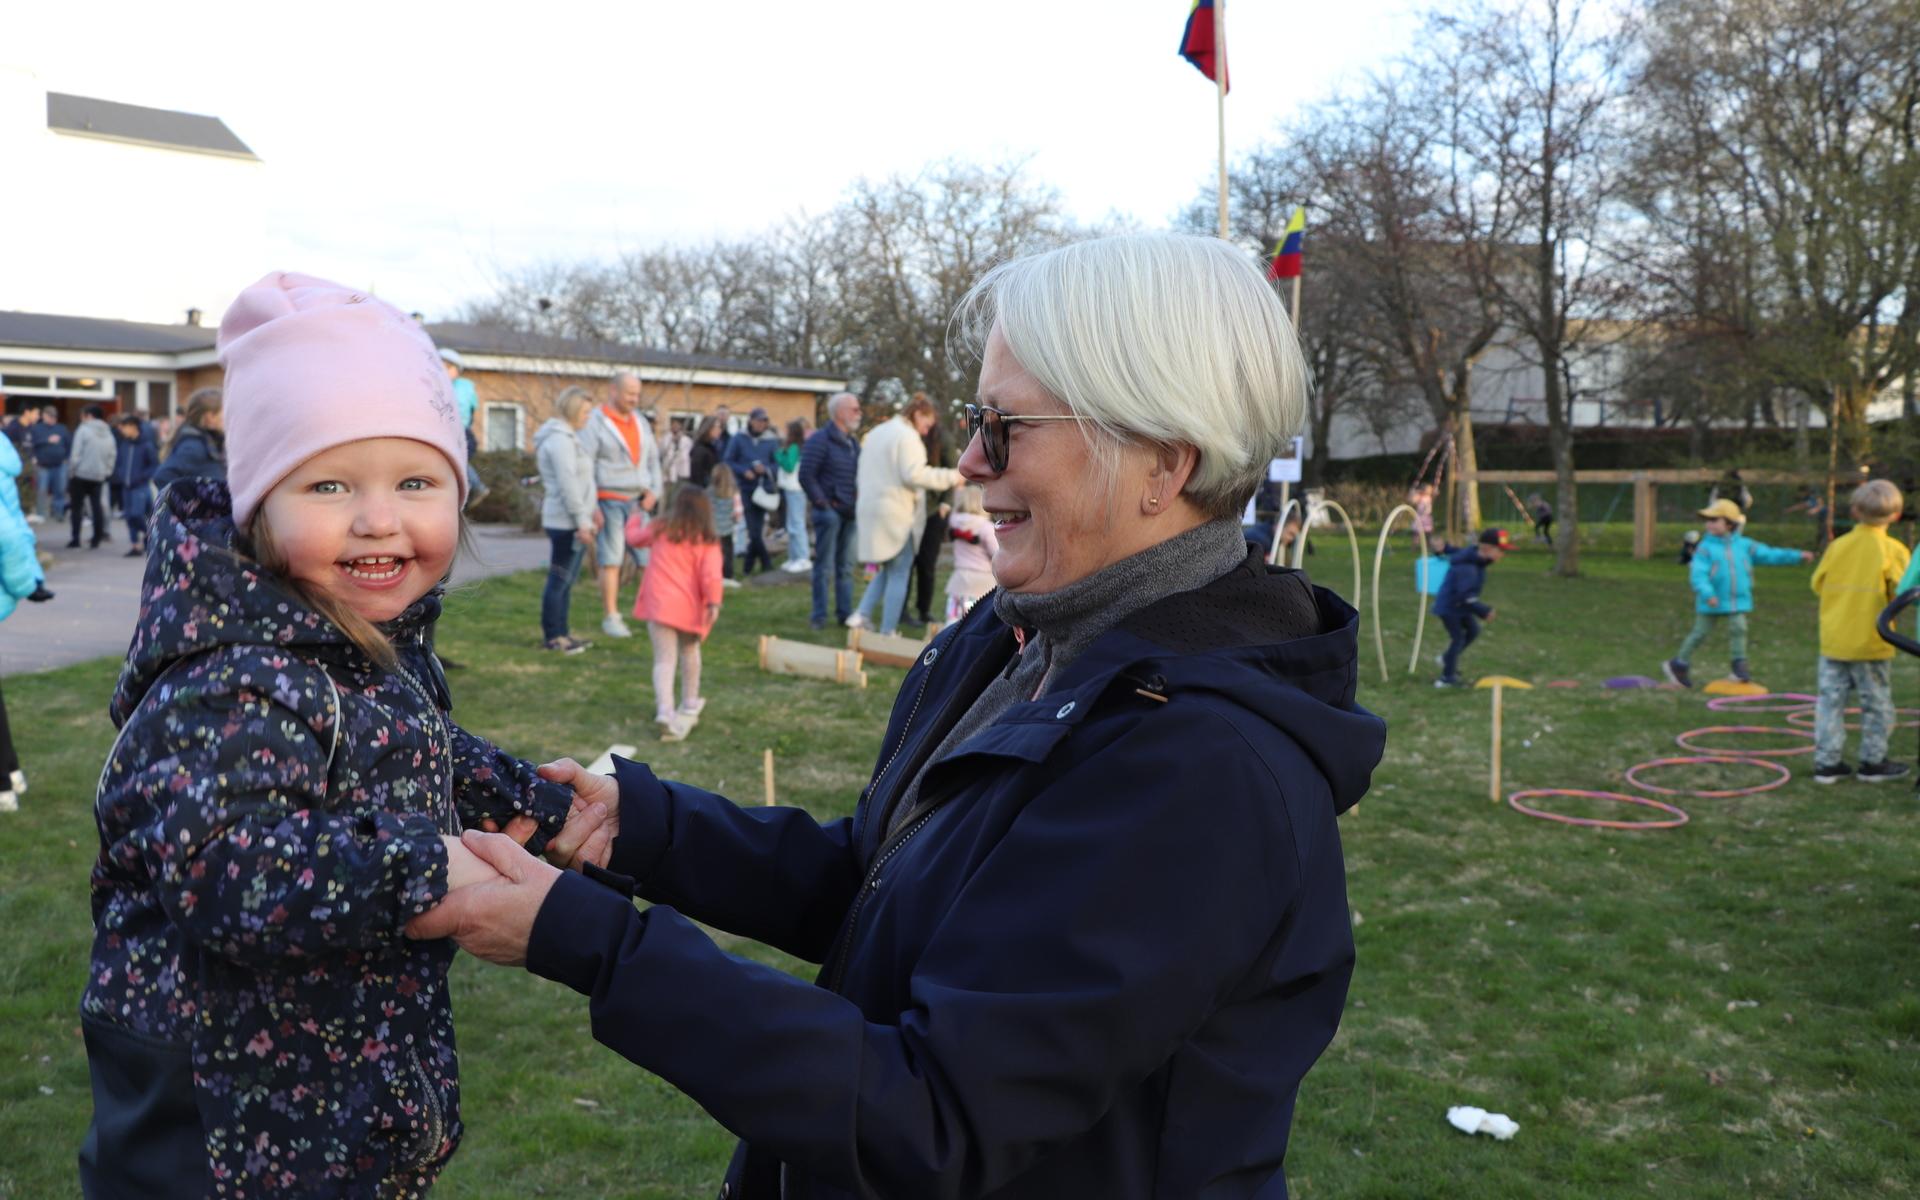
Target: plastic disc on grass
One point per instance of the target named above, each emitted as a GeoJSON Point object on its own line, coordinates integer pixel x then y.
{"type": "Point", "coordinates": [1678, 819]}
{"type": "Point", "coordinates": [1631, 681]}
{"type": "Point", "coordinates": [1685, 742]}
{"type": "Point", "coordinates": [1780, 775]}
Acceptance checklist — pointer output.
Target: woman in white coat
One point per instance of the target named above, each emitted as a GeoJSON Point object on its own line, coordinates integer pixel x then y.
{"type": "Point", "coordinates": [894, 481]}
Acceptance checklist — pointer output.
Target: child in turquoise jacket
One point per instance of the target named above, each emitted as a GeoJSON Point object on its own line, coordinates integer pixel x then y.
{"type": "Point", "coordinates": [1722, 578]}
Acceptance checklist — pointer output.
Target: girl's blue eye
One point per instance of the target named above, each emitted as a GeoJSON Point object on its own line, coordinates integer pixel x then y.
{"type": "Point", "coordinates": [329, 487]}
{"type": "Point", "coordinates": [415, 484]}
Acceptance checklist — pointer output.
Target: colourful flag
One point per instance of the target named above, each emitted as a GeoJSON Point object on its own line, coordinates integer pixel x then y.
{"type": "Point", "coordinates": [1286, 255]}
{"type": "Point", "coordinates": [1196, 44]}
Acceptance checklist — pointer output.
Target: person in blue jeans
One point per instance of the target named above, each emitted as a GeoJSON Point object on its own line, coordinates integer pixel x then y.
{"type": "Point", "coordinates": [829, 474]}
{"type": "Point", "coordinates": [1458, 603]}
{"type": "Point", "coordinates": [568, 512]}
{"type": "Point", "coordinates": [52, 445]}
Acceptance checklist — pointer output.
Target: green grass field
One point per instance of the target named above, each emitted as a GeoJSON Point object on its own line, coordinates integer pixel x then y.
{"type": "Point", "coordinates": [1724, 1010]}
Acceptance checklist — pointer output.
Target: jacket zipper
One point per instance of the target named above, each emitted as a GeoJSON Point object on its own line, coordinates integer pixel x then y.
{"type": "Point", "coordinates": [920, 816]}
{"type": "Point", "coordinates": [873, 789]}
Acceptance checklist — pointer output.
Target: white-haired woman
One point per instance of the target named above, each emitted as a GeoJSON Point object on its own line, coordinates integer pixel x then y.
{"type": "Point", "coordinates": [1087, 928]}
{"type": "Point", "coordinates": [569, 512]}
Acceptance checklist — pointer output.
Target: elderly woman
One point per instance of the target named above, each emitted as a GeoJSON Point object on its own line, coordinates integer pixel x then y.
{"type": "Point", "coordinates": [1087, 927]}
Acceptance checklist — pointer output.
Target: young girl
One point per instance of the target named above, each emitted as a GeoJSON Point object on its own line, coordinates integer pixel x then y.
{"type": "Point", "coordinates": [724, 493]}
{"type": "Point", "coordinates": [1421, 498]}
{"type": "Point", "coordinates": [974, 546]}
{"type": "Point", "coordinates": [679, 599]}
{"type": "Point", "coordinates": [287, 790]}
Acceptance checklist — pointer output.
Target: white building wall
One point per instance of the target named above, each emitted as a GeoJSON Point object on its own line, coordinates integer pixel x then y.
{"type": "Point", "coordinates": [112, 229]}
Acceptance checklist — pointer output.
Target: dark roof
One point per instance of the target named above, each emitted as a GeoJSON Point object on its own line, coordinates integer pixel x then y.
{"type": "Point", "coordinates": [51, 332]}
{"type": "Point", "coordinates": [151, 126]}
{"type": "Point", "coordinates": [487, 339]}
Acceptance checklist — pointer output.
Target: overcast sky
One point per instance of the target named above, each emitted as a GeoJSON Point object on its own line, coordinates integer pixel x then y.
{"type": "Point", "coordinates": [421, 148]}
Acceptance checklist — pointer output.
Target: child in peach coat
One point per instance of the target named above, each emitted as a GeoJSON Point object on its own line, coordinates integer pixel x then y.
{"type": "Point", "coordinates": [679, 600]}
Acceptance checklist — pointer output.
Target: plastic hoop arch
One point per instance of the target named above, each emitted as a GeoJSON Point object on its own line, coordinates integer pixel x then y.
{"type": "Point", "coordinates": [1782, 775]}
{"type": "Point", "coordinates": [1802, 718]}
{"type": "Point", "coordinates": [1685, 743]}
{"type": "Point", "coordinates": [1280, 525]}
{"type": "Point", "coordinates": [1353, 540]}
{"type": "Point", "coordinates": [1679, 817]}
{"type": "Point", "coordinates": [1420, 622]}
{"type": "Point", "coordinates": [1753, 704]}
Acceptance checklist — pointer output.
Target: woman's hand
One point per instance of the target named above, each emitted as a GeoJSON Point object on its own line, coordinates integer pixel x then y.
{"type": "Point", "coordinates": [493, 919]}
{"type": "Point", "coordinates": [592, 823]}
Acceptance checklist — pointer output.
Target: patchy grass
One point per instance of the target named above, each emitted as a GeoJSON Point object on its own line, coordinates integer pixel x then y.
{"type": "Point", "coordinates": [1724, 1010]}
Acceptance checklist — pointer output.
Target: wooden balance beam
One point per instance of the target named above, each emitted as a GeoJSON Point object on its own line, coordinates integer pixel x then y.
{"type": "Point", "coordinates": [887, 649]}
{"type": "Point", "coordinates": [779, 656]}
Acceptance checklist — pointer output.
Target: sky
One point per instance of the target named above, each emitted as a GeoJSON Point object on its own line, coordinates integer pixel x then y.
{"type": "Point", "coordinates": [423, 149]}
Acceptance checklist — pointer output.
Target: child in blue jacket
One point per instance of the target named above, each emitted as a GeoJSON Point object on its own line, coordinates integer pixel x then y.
{"type": "Point", "coordinates": [1722, 576]}
{"type": "Point", "coordinates": [287, 788]}
{"type": "Point", "coordinates": [1458, 603]}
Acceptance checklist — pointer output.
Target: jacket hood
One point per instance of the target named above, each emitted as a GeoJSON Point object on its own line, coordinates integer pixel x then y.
{"type": "Point", "coordinates": [1268, 640]}
{"type": "Point", "coordinates": [553, 427]}
{"type": "Point", "coordinates": [199, 593]}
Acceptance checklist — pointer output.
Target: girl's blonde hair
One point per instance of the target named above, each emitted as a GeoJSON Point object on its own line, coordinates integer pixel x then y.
{"type": "Point", "coordinates": [722, 483]}
{"type": "Point", "coordinates": [970, 499]}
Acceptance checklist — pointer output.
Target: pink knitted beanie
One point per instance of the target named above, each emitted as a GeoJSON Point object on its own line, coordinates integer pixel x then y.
{"type": "Point", "coordinates": [311, 365]}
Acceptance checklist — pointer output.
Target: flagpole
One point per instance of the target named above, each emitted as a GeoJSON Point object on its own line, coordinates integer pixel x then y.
{"type": "Point", "coordinates": [1296, 306]}
{"type": "Point", "coordinates": [1220, 93]}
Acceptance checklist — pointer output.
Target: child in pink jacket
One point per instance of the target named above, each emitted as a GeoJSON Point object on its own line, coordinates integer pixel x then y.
{"type": "Point", "coordinates": [679, 599]}
{"type": "Point", "coordinates": [974, 545]}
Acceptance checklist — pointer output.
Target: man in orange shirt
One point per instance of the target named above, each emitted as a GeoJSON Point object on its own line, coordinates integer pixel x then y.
{"type": "Point", "coordinates": [626, 473]}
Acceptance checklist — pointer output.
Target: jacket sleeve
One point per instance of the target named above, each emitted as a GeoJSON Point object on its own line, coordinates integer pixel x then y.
{"type": "Point", "coordinates": [649, 458]}
{"type": "Point", "coordinates": [246, 857]}
{"type": "Point", "coordinates": [189, 457]}
{"type": "Point", "coordinates": [811, 454]}
{"type": "Point", "coordinates": [1700, 575]}
{"type": "Point", "coordinates": [491, 785]}
{"type": "Point", "coordinates": [910, 458]}
{"type": "Point", "coordinates": [578, 498]}
{"type": "Point", "coordinates": [1773, 556]}
{"type": "Point", "coordinates": [1059, 978]}
{"type": "Point", "coordinates": [739, 457]}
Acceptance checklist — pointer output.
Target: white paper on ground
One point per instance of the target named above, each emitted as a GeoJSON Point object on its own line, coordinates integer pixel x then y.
{"type": "Point", "coordinates": [1468, 1119]}
{"type": "Point", "coordinates": [604, 764]}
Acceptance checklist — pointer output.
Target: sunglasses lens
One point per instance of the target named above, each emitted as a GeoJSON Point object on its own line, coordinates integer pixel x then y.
{"type": "Point", "coordinates": [985, 424]}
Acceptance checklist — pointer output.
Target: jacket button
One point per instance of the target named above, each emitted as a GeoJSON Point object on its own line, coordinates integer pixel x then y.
{"type": "Point", "coordinates": [726, 1189]}
{"type": "Point", "coordinates": [933, 652]}
{"type": "Point", "coordinates": [1066, 710]}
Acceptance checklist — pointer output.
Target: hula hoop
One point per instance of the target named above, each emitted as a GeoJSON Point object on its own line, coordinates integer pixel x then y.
{"type": "Point", "coordinates": [1778, 731]}
{"type": "Point", "coordinates": [1794, 718]}
{"type": "Point", "coordinates": [1420, 622]}
{"type": "Point", "coordinates": [1513, 801]}
{"type": "Point", "coordinates": [1300, 546]}
{"type": "Point", "coordinates": [1752, 704]}
{"type": "Point", "coordinates": [1693, 759]}
{"type": "Point", "coordinates": [1276, 551]}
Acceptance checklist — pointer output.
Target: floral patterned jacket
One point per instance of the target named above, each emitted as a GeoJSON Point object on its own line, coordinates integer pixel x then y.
{"type": "Point", "coordinates": [270, 818]}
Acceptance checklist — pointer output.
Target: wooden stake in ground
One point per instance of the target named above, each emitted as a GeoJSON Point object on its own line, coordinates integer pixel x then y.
{"type": "Point", "coordinates": [1493, 782]}
{"type": "Point", "coordinates": [767, 771]}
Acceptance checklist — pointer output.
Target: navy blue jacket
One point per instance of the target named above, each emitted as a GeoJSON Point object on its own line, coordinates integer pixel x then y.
{"type": "Point", "coordinates": [1095, 959]}
{"type": "Point", "coordinates": [52, 443]}
{"type": "Point", "coordinates": [747, 450]}
{"type": "Point", "coordinates": [194, 455]}
{"type": "Point", "coordinates": [830, 469]}
{"type": "Point", "coordinates": [1459, 592]}
{"type": "Point", "coordinates": [134, 461]}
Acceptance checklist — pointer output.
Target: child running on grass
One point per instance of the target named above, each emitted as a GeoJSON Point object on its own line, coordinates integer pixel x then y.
{"type": "Point", "coordinates": [1722, 577]}
{"type": "Point", "coordinates": [1458, 603]}
{"type": "Point", "coordinates": [679, 600]}
{"type": "Point", "coordinates": [287, 789]}
{"type": "Point", "coordinates": [1860, 572]}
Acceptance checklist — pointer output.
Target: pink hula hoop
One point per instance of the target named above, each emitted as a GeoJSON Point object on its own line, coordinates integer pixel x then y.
{"type": "Point", "coordinates": [1776, 752]}
{"type": "Point", "coordinates": [1592, 822]}
{"type": "Point", "coordinates": [1753, 704]}
{"type": "Point", "coordinates": [1802, 718]}
{"type": "Point", "coordinates": [1695, 759]}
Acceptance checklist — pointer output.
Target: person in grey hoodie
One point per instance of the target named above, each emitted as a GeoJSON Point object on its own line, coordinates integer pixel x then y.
{"type": "Point", "coordinates": [626, 475]}
{"type": "Point", "coordinates": [89, 468]}
{"type": "Point", "coordinates": [569, 514]}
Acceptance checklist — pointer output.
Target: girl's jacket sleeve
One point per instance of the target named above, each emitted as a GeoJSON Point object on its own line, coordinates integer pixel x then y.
{"type": "Point", "coordinates": [1773, 556]}
{"type": "Point", "coordinates": [1700, 575]}
{"type": "Point", "coordinates": [491, 785]}
{"type": "Point", "coordinates": [245, 851]}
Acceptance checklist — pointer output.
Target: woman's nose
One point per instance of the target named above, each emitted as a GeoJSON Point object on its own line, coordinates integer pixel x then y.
{"type": "Point", "coordinates": [974, 467]}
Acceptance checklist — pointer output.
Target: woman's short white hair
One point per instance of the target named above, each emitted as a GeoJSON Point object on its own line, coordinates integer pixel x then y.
{"type": "Point", "coordinates": [1156, 338]}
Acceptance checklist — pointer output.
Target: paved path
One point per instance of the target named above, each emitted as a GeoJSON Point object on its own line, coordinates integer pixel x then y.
{"type": "Point", "coordinates": [97, 595]}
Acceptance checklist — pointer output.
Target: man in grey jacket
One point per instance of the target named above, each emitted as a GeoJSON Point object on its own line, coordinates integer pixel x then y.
{"type": "Point", "coordinates": [87, 471]}
{"type": "Point", "coordinates": [626, 474]}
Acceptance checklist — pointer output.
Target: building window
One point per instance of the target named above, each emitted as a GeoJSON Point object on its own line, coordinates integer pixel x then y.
{"type": "Point", "coordinates": [503, 427]}
{"type": "Point", "coordinates": [159, 400]}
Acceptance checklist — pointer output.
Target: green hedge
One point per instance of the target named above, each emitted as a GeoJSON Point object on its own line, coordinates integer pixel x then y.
{"type": "Point", "coordinates": [514, 493]}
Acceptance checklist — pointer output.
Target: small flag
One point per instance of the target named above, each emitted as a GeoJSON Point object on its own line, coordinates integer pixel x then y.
{"type": "Point", "coordinates": [1196, 44]}
{"type": "Point", "coordinates": [1286, 255]}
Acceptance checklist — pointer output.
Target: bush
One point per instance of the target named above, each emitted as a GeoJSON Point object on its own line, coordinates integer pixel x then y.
{"type": "Point", "coordinates": [508, 501]}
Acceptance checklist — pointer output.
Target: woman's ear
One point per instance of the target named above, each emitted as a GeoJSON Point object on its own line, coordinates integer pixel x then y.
{"type": "Point", "coordinates": [1168, 469]}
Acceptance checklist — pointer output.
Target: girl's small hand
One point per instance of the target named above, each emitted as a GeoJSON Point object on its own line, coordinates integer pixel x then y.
{"type": "Point", "coordinates": [464, 867]}
{"type": "Point", "coordinates": [519, 828]}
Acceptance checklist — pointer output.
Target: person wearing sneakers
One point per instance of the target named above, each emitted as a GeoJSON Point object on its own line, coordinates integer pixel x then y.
{"type": "Point", "coordinates": [1458, 603]}
{"type": "Point", "coordinates": [1722, 577]}
{"type": "Point", "coordinates": [568, 513]}
{"type": "Point", "coordinates": [626, 472]}
{"type": "Point", "coordinates": [891, 510]}
{"type": "Point", "coordinates": [679, 600]}
{"type": "Point", "coordinates": [1860, 572]}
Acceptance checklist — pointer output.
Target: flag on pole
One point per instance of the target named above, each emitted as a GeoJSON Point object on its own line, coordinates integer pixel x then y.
{"type": "Point", "coordinates": [1196, 43]}
{"type": "Point", "coordinates": [1286, 255]}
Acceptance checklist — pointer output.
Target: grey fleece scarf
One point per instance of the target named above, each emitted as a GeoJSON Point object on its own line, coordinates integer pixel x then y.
{"type": "Point", "coordinates": [1061, 624]}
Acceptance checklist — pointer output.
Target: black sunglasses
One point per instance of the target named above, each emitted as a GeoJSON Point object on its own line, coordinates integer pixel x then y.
{"type": "Point", "coordinates": [991, 426]}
